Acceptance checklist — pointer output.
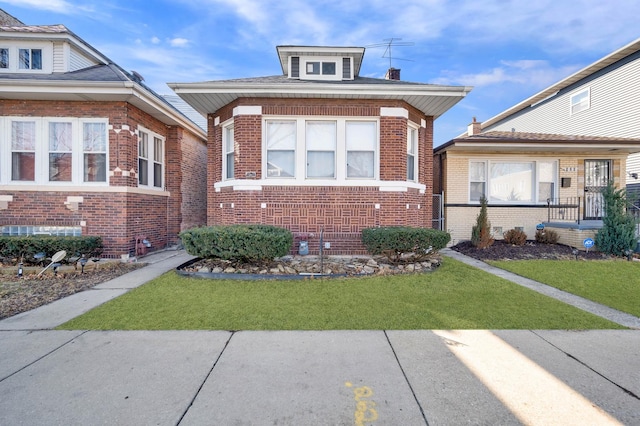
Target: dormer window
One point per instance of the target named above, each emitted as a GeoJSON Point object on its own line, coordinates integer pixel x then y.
{"type": "Point", "coordinates": [323, 69]}
{"type": "Point", "coordinates": [30, 59]}
{"type": "Point", "coordinates": [4, 57]}
{"type": "Point", "coordinates": [25, 57]}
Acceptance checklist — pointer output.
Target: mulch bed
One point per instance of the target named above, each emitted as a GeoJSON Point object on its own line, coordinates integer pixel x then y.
{"type": "Point", "coordinates": [23, 294]}
{"type": "Point", "coordinates": [501, 250]}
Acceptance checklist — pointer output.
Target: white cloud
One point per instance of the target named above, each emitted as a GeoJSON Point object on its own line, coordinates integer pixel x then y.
{"type": "Point", "coordinates": [155, 40]}
{"type": "Point", "coordinates": [178, 42]}
{"type": "Point", "coordinates": [59, 6]}
{"type": "Point", "coordinates": [530, 73]}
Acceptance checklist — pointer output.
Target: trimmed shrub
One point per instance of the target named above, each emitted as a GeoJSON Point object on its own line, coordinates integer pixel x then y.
{"type": "Point", "coordinates": [547, 236]}
{"type": "Point", "coordinates": [480, 233]}
{"type": "Point", "coordinates": [22, 249]}
{"type": "Point", "coordinates": [396, 241]}
{"type": "Point", "coordinates": [244, 243]}
{"type": "Point", "coordinates": [515, 237]}
{"type": "Point", "coordinates": [618, 232]}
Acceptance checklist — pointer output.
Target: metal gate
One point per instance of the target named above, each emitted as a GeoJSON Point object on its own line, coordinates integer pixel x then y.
{"type": "Point", "coordinates": [438, 212]}
{"type": "Point", "coordinates": [597, 174]}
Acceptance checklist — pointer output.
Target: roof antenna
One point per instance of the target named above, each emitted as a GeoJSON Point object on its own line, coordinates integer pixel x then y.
{"type": "Point", "coordinates": [388, 44]}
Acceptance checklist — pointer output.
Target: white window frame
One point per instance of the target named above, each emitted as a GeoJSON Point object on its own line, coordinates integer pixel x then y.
{"type": "Point", "coordinates": [324, 149]}
{"type": "Point", "coordinates": [373, 150]}
{"type": "Point", "coordinates": [151, 138]}
{"type": "Point", "coordinates": [535, 184]}
{"type": "Point", "coordinates": [305, 62]}
{"type": "Point", "coordinates": [227, 130]}
{"type": "Point", "coordinates": [413, 141]}
{"type": "Point", "coordinates": [41, 162]}
{"type": "Point", "coordinates": [340, 150]}
{"type": "Point", "coordinates": [272, 171]}
{"type": "Point", "coordinates": [14, 48]}
{"type": "Point", "coordinates": [576, 106]}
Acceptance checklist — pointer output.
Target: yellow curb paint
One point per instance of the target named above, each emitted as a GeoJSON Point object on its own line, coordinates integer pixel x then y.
{"type": "Point", "coordinates": [365, 408]}
{"type": "Point", "coordinates": [531, 393]}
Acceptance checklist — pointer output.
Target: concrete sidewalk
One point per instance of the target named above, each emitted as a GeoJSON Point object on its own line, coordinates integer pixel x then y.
{"type": "Point", "coordinates": [417, 377]}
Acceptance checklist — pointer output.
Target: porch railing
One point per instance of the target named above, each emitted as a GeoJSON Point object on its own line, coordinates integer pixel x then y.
{"type": "Point", "coordinates": [563, 209]}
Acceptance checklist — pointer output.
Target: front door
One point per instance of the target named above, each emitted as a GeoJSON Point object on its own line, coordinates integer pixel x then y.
{"type": "Point", "coordinates": [597, 174]}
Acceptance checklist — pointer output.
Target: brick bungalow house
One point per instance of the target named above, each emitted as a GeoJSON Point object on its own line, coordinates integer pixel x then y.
{"type": "Point", "coordinates": [88, 149]}
{"type": "Point", "coordinates": [320, 148]}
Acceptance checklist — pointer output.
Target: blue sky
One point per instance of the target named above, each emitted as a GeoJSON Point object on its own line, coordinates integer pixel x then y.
{"type": "Point", "coordinates": [506, 49]}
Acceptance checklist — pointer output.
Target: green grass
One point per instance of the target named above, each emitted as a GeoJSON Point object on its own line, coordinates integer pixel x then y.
{"type": "Point", "coordinates": [455, 296]}
{"type": "Point", "coordinates": [614, 283]}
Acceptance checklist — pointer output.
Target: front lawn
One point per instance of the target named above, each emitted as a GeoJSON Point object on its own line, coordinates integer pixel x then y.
{"type": "Point", "coordinates": [455, 296]}
{"type": "Point", "coordinates": [614, 283]}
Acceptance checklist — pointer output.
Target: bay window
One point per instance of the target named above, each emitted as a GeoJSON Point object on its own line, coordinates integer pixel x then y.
{"type": "Point", "coordinates": [504, 182]}
{"type": "Point", "coordinates": [53, 150]}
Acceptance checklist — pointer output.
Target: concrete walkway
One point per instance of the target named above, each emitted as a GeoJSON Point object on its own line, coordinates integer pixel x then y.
{"type": "Point", "coordinates": [421, 377]}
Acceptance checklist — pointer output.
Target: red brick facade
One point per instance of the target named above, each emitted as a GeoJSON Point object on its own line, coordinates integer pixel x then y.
{"type": "Point", "coordinates": [119, 211]}
{"type": "Point", "coordinates": [340, 211]}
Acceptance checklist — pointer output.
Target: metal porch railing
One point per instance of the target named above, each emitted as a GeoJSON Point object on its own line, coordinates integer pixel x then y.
{"type": "Point", "coordinates": [563, 209]}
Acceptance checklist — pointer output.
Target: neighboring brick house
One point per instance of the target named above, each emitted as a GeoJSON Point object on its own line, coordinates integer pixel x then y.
{"type": "Point", "coordinates": [320, 148]}
{"type": "Point", "coordinates": [88, 149]}
{"type": "Point", "coordinates": [529, 179]}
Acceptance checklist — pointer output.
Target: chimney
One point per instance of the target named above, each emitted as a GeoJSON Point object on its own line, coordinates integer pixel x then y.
{"type": "Point", "coordinates": [475, 128]}
{"type": "Point", "coordinates": [392, 74]}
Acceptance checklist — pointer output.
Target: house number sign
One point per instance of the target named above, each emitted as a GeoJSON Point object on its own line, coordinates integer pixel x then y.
{"type": "Point", "coordinates": [569, 169]}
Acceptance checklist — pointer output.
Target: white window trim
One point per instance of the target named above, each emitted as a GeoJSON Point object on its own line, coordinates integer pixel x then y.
{"type": "Point", "coordinates": [536, 184]}
{"type": "Point", "coordinates": [587, 103]}
{"type": "Point", "coordinates": [337, 60]}
{"type": "Point", "coordinates": [15, 46]}
{"type": "Point", "coordinates": [41, 176]}
{"type": "Point", "coordinates": [150, 159]}
{"type": "Point", "coordinates": [416, 163]}
{"type": "Point", "coordinates": [301, 150]}
{"type": "Point", "coordinates": [225, 126]}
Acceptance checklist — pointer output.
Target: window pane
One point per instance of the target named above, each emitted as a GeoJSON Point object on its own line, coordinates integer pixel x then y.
{"type": "Point", "coordinates": [321, 136]}
{"type": "Point", "coordinates": [230, 165]}
{"type": "Point", "coordinates": [411, 167]}
{"type": "Point", "coordinates": [229, 143]}
{"type": "Point", "coordinates": [4, 58]}
{"type": "Point", "coordinates": [476, 191]}
{"type": "Point", "coordinates": [95, 167]}
{"type": "Point", "coordinates": [157, 175]}
{"type": "Point", "coordinates": [157, 150]}
{"type": "Point", "coordinates": [60, 167]}
{"type": "Point", "coordinates": [546, 172]}
{"type": "Point", "coordinates": [361, 136]}
{"type": "Point", "coordinates": [281, 135]}
{"type": "Point", "coordinates": [36, 59]}
{"type": "Point", "coordinates": [477, 172]}
{"type": "Point", "coordinates": [360, 164]}
{"type": "Point", "coordinates": [60, 137]}
{"type": "Point", "coordinates": [143, 171]}
{"type": "Point", "coordinates": [281, 163]}
{"type": "Point", "coordinates": [94, 137]}
{"type": "Point", "coordinates": [24, 59]}
{"type": "Point", "coordinates": [143, 145]}
{"type": "Point", "coordinates": [23, 135]}
{"type": "Point", "coordinates": [411, 141]}
{"type": "Point", "coordinates": [545, 190]}
{"type": "Point", "coordinates": [329, 68]}
{"type": "Point", "coordinates": [23, 166]}
{"type": "Point", "coordinates": [313, 67]}
{"type": "Point", "coordinates": [321, 164]}
{"type": "Point", "coordinates": [511, 182]}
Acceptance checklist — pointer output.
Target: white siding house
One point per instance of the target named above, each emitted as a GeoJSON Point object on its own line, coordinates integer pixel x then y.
{"type": "Point", "coordinates": [600, 100]}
